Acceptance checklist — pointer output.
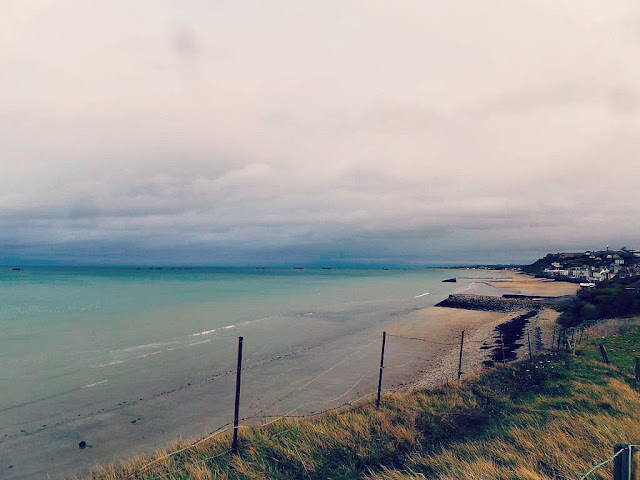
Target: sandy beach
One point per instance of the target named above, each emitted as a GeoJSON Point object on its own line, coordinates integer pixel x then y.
{"type": "Point", "coordinates": [522, 284]}
{"type": "Point", "coordinates": [443, 327]}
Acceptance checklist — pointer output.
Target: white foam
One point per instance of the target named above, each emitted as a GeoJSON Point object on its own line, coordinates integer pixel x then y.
{"type": "Point", "coordinates": [143, 347]}
{"type": "Point", "coordinates": [94, 384]}
{"type": "Point", "coordinates": [115, 362]}
{"type": "Point", "coordinates": [204, 332]}
{"type": "Point", "coordinates": [421, 295]}
{"type": "Point", "coordinates": [229, 326]}
{"type": "Point", "coordinates": [198, 343]}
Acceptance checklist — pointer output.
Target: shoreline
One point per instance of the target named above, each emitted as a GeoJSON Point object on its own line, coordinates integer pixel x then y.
{"type": "Point", "coordinates": [435, 362]}
{"type": "Point", "coordinates": [481, 325]}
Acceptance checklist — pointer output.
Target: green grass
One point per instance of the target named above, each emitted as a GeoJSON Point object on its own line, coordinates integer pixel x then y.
{"type": "Point", "coordinates": [621, 347]}
{"type": "Point", "coordinates": [550, 419]}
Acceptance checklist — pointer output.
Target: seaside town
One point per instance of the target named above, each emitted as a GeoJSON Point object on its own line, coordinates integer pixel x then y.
{"type": "Point", "coordinates": [590, 267]}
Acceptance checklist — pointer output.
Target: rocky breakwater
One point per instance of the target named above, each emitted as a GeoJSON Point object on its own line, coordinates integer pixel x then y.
{"type": "Point", "coordinates": [493, 304]}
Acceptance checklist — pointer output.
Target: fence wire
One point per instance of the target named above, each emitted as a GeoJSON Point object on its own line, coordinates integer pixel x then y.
{"type": "Point", "coordinates": [290, 414]}
{"type": "Point", "coordinates": [167, 471]}
{"type": "Point", "coordinates": [609, 460]}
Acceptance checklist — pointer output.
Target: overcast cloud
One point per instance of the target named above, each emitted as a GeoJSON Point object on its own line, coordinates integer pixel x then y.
{"type": "Point", "coordinates": [335, 131]}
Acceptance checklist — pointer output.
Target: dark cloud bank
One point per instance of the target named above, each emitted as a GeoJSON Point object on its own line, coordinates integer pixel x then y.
{"type": "Point", "coordinates": [340, 134]}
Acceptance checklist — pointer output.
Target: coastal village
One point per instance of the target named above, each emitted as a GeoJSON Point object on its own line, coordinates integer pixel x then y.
{"type": "Point", "coordinates": [590, 267]}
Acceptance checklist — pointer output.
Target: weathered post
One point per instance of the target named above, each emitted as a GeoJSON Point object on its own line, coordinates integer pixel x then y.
{"type": "Point", "coordinates": [539, 342]}
{"type": "Point", "coordinates": [384, 338]}
{"type": "Point", "coordinates": [460, 361]}
{"type": "Point", "coordinates": [603, 352]}
{"type": "Point", "coordinates": [504, 362]}
{"type": "Point", "coordinates": [559, 336]}
{"type": "Point", "coordinates": [529, 341]}
{"type": "Point", "coordinates": [234, 444]}
{"type": "Point", "coordinates": [625, 466]}
{"type": "Point", "coordinates": [553, 339]}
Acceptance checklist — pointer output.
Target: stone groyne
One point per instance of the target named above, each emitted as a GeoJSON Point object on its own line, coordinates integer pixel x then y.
{"type": "Point", "coordinates": [493, 304]}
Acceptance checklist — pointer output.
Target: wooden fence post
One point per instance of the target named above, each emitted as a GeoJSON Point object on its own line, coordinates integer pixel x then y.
{"type": "Point", "coordinates": [553, 339]}
{"type": "Point", "coordinates": [625, 466]}
{"type": "Point", "coordinates": [529, 341]}
{"type": "Point", "coordinates": [460, 361]}
{"type": "Point", "coordinates": [234, 444]}
{"type": "Point", "coordinates": [504, 362]}
{"type": "Point", "coordinates": [603, 352]}
{"type": "Point", "coordinates": [384, 338]}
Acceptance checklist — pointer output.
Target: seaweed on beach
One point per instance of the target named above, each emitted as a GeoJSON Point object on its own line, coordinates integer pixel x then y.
{"type": "Point", "coordinates": [512, 333]}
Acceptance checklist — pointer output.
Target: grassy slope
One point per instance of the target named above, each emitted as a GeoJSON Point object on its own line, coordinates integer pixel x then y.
{"type": "Point", "coordinates": [553, 419]}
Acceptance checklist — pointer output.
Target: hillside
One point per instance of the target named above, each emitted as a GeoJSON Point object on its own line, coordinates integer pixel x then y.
{"type": "Point", "coordinates": [553, 418]}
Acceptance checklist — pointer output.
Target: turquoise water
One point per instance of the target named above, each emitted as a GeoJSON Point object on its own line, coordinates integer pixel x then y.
{"type": "Point", "coordinates": [57, 322]}
{"type": "Point", "coordinates": [78, 345]}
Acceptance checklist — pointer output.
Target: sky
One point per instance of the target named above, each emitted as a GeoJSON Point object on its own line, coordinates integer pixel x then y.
{"type": "Point", "coordinates": [365, 132]}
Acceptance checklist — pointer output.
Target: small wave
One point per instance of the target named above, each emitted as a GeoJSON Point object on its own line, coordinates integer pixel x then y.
{"type": "Point", "coordinates": [143, 347]}
{"type": "Point", "coordinates": [421, 295]}
{"type": "Point", "coordinates": [204, 332]}
{"type": "Point", "coordinates": [198, 343]}
{"type": "Point", "coordinates": [94, 384]}
{"type": "Point", "coordinates": [229, 326]}
{"type": "Point", "coordinates": [149, 354]}
{"type": "Point", "coordinates": [115, 362]}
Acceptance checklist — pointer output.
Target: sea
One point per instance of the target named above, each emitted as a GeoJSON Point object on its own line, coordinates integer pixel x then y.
{"type": "Point", "coordinates": [129, 359]}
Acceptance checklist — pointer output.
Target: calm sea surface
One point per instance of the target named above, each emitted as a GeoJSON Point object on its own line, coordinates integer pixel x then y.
{"type": "Point", "coordinates": [86, 351]}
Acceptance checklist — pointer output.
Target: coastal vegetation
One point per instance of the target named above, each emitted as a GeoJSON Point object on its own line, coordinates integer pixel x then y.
{"type": "Point", "coordinates": [605, 300]}
{"type": "Point", "coordinates": [554, 417]}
